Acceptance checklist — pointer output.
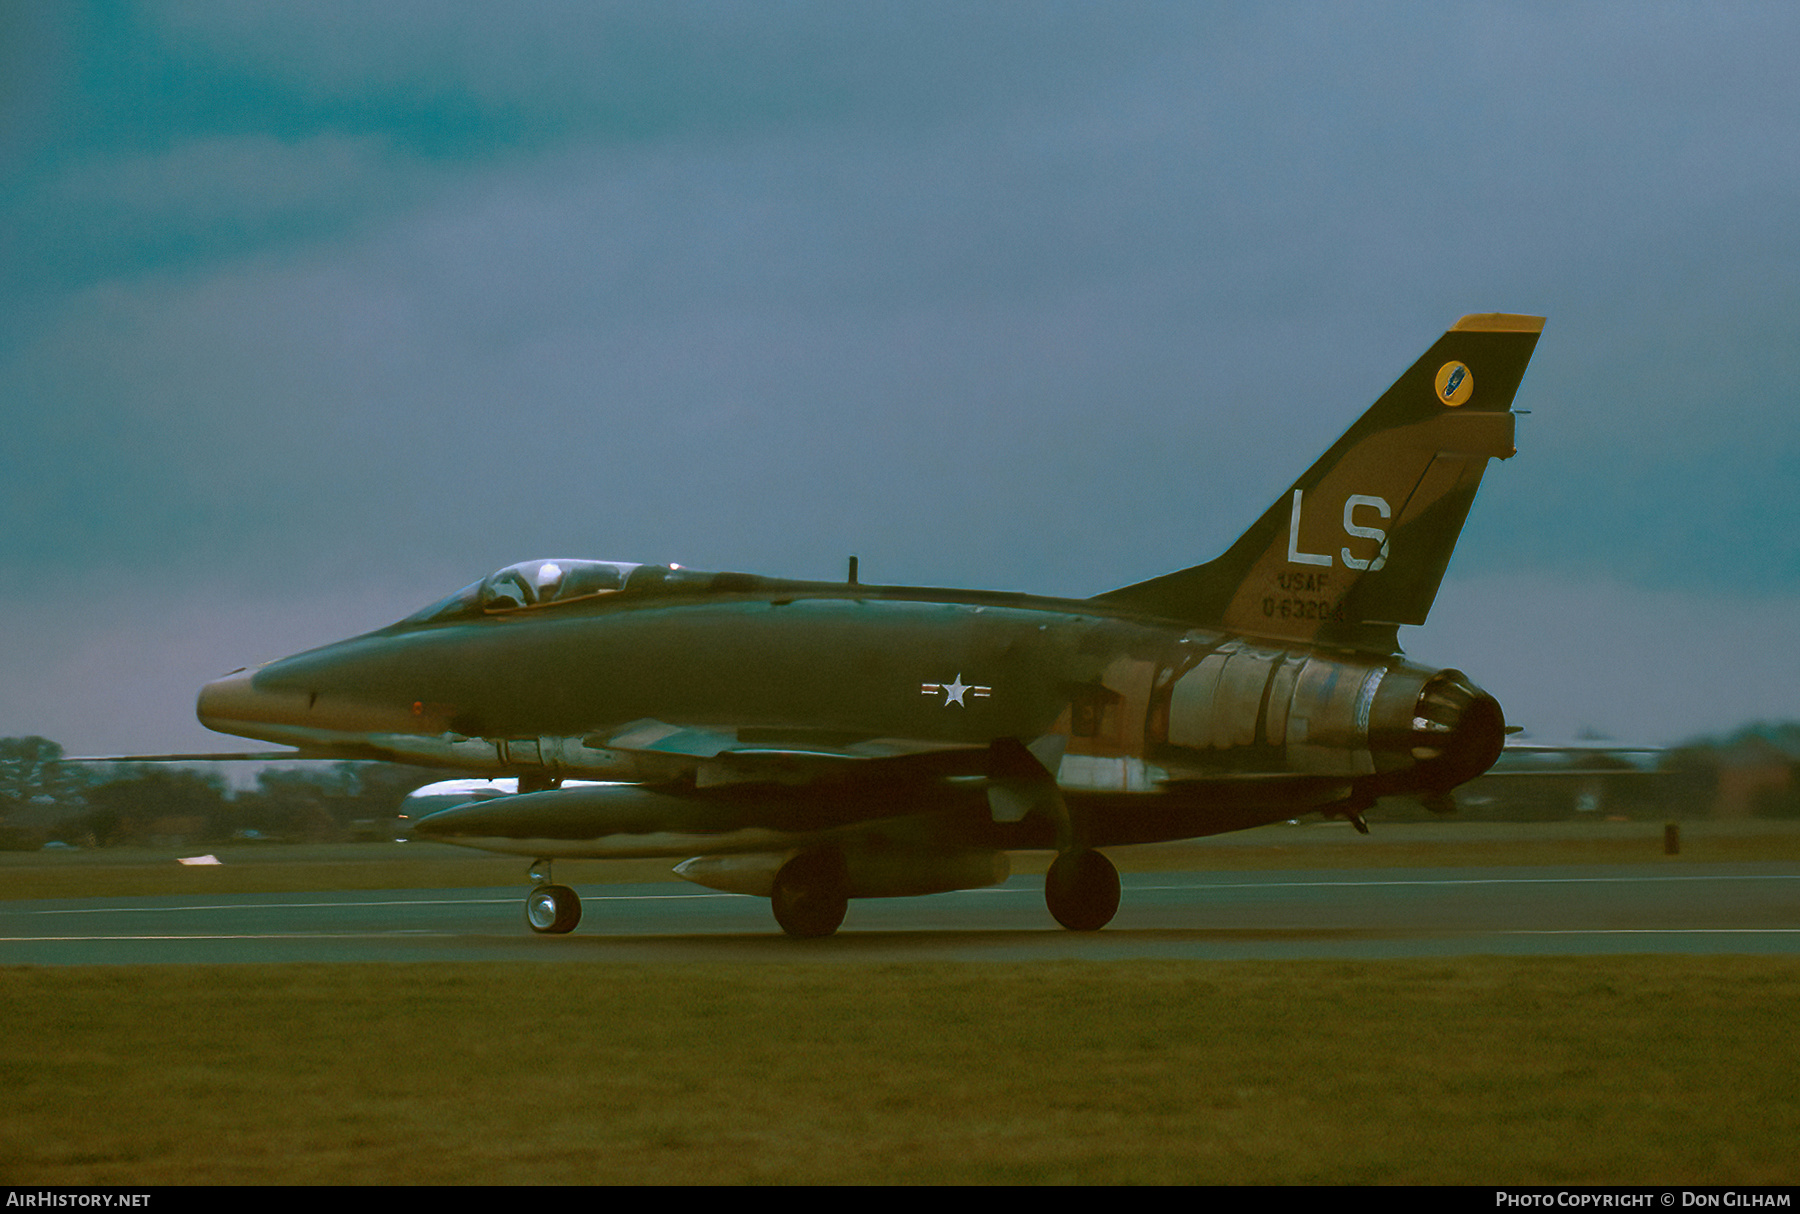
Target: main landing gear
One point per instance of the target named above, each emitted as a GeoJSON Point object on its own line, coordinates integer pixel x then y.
{"type": "Point", "coordinates": [1082, 890]}
{"type": "Point", "coordinates": [811, 894]}
{"type": "Point", "coordinates": [551, 909]}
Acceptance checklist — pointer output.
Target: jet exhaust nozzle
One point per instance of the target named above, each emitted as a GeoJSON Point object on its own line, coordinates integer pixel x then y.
{"type": "Point", "coordinates": [1458, 730]}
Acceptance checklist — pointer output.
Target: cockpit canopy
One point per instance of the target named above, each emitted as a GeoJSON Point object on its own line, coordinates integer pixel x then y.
{"type": "Point", "coordinates": [537, 584]}
{"type": "Point", "coordinates": [531, 583]}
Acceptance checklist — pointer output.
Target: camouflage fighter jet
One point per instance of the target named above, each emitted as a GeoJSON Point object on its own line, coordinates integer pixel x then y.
{"type": "Point", "coordinates": [813, 742]}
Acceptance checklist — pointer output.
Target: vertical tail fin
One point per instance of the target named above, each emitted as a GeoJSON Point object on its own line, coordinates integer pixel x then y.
{"type": "Point", "coordinates": [1357, 546]}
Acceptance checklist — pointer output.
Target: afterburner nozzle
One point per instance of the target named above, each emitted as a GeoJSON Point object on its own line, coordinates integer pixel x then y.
{"type": "Point", "coordinates": [1458, 730]}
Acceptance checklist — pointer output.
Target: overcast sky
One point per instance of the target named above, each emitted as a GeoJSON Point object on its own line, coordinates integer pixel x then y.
{"type": "Point", "coordinates": [312, 313]}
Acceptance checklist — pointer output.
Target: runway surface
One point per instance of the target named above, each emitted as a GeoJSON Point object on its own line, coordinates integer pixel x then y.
{"type": "Point", "coordinates": [1347, 914]}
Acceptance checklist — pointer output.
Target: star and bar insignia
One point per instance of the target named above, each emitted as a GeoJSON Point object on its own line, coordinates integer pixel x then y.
{"type": "Point", "coordinates": [955, 691]}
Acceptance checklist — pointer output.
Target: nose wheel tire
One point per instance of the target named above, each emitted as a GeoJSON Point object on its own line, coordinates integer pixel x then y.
{"type": "Point", "coordinates": [552, 909]}
{"type": "Point", "coordinates": [810, 897]}
{"type": "Point", "coordinates": [1082, 890]}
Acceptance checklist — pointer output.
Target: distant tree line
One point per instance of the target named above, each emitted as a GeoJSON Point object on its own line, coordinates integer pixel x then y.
{"type": "Point", "coordinates": [44, 801]}
{"type": "Point", "coordinates": [1754, 772]}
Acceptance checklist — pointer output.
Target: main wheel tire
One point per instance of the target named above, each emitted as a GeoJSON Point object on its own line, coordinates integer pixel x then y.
{"type": "Point", "coordinates": [810, 898]}
{"type": "Point", "coordinates": [1082, 890]}
{"type": "Point", "coordinates": [552, 909]}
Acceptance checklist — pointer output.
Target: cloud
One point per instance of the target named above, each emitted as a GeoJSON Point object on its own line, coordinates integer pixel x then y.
{"type": "Point", "coordinates": [1651, 667]}
{"type": "Point", "coordinates": [112, 667]}
{"type": "Point", "coordinates": [655, 70]}
{"type": "Point", "coordinates": [1052, 302]}
{"type": "Point", "coordinates": [236, 183]}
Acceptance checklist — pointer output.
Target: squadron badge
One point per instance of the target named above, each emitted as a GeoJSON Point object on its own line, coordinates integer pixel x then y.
{"type": "Point", "coordinates": [1454, 384]}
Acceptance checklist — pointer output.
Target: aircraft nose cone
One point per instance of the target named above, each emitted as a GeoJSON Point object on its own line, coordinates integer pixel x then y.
{"type": "Point", "coordinates": [234, 704]}
{"type": "Point", "coordinates": [226, 699]}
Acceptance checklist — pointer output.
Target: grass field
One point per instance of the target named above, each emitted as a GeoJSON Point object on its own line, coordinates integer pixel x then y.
{"type": "Point", "coordinates": [1641, 1070]}
{"type": "Point", "coordinates": [1601, 1070]}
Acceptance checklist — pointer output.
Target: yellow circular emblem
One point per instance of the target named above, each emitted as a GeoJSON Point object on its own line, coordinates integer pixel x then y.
{"type": "Point", "coordinates": [1454, 384]}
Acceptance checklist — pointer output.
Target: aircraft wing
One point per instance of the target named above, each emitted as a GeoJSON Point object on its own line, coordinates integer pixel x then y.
{"type": "Point", "coordinates": [227, 756]}
{"type": "Point", "coordinates": [722, 755]}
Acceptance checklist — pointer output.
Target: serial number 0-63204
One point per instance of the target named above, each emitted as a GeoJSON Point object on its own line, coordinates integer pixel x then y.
{"type": "Point", "coordinates": [1302, 609]}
